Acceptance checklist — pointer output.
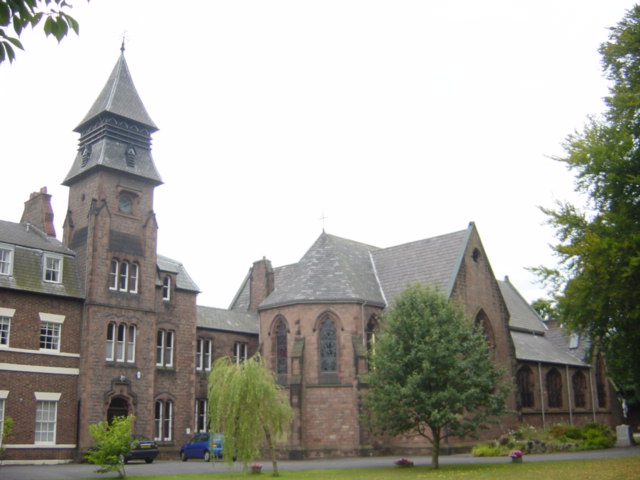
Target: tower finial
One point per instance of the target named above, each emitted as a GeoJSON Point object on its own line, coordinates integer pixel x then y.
{"type": "Point", "coordinates": [123, 39]}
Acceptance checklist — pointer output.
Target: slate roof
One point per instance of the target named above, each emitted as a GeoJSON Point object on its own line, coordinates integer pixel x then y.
{"type": "Point", "coordinates": [117, 121]}
{"type": "Point", "coordinates": [29, 246]}
{"type": "Point", "coordinates": [228, 320]}
{"type": "Point", "coordinates": [119, 97]}
{"type": "Point", "coordinates": [530, 336]}
{"type": "Point", "coordinates": [334, 269]}
{"type": "Point", "coordinates": [183, 280]}
{"type": "Point", "coordinates": [433, 261]}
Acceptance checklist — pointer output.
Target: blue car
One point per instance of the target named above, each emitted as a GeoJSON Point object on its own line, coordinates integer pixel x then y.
{"type": "Point", "coordinates": [202, 445]}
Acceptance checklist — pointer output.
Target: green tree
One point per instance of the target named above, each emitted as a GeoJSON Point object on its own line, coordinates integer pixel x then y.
{"type": "Point", "coordinates": [112, 442]}
{"type": "Point", "coordinates": [16, 15]}
{"type": "Point", "coordinates": [247, 406]}
{"type": "Point", "coordinates": [595, 282]}
{"type": "Point", "coordinates": [545, 308]}
{"type": "Point", "coordinates": [5, 431]}
{"type": "Point", "coordinates": [431, 372]}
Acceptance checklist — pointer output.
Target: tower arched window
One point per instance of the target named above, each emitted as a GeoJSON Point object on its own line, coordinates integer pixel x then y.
{"type": "Point", "coordinates": [554, 388]}
{"type": "Point", "coordinates": [579, 390]}
{"type": "Point", "coordinates": [524, 380]}
{"type": "Point", "coordinates": [124, 276]}
{"type": "Point", "coordinates": [163, 420]}
{"type": "Point", "coordinates": [482, 322]}
{"type": "Point", "coordinates": [281, 348]}
{"type": "Point", "coordinates": [328, 347]}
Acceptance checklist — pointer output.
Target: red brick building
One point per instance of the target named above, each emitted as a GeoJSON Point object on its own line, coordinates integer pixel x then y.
{"type": "Point", "coordinates": [99, 324]}
{"type": "Point", "coordinates": [318, 319]}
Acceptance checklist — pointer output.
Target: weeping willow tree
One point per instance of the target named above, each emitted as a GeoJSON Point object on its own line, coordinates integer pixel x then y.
{"type": "Point", "coordinates": [247, 406]}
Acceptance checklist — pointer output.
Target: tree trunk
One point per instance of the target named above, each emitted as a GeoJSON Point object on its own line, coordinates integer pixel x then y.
{"type": "Point", "coordinates": [272, 452]}
{"type": "Point", "coordinates": [436, 448]}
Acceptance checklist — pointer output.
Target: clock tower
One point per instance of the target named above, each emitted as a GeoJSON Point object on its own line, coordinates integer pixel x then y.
{"type": "Point", "coordinates": [129, 364]}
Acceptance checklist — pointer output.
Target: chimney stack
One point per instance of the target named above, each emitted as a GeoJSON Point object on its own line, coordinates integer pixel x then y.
{"type": "Point", "coordinates": [261, 283]}
{"type": "Point", "coordinates": [38, 212]}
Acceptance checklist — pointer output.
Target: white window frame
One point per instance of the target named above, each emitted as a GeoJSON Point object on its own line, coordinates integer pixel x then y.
{"type": "Point", "coordinates": [113, 274]}
{"type": "Point", "coordinates": [112, 330]}
{"type": "Point", "coordinates": [132, 332]}
{"type": "Point", "coordinates": [54, 323]}
{"type": "Point", "coordinates": [163, 421]}
{"type": "Point", "coordinates": [123, 276]}
{"type": "Point", "coordinates": [240, 352]}
{"type": "Point", "coordinates": [6, 314]}
{"type": "Point", "coordinates": [46, 427]}
{"type": "Point", "coordinates": [201, 415]}
{"type": "Point", "coordinates": [203, 355]}
{"type": "Point", "coordinates": [165, 343]}
{"type": "Point", "coordinates": [52, 271]}
{"type": "Point", "coordinates": [134, 275]}
{"type": "Point", "coordinates": [6, 259]}
{"type": "Point", "coordinates": [3, 397]}
{"type": "Point", "coordinates": [166, 288]}
{"type": "Point", "coordinates": [160, 336]}
{"type": "Point", "coordinates": [121, 342]}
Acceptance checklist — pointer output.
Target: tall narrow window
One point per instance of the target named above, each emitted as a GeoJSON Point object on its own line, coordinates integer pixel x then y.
{"type": "Point", "coordinates": [111, 341]}
{"type": "Point", "coordinates": [52, 268]}
{"type": "Point", "coordinates": [203, 355]}
{"type": "Point", "coordinates": [133, 278]}
{"type": "Point", "coordinates": [131, 344]}
{"type": "Point", "coordinates": [164, 348]}
{"type": "Point", "coordinates": [166, 288]}
{"type": "Point", "coordinates": [372, 328]}
{"type": "Point", "coordinates": [524, 380]}
{"type": "Point", "coordinates": [49, 336]}
{"type": "Point", "coordinates": [579, 390]}
{"type": "Point", "coordinates": [6, 255]}
{"type": "Point", "coordinates": [281, 348]}
{"type": "Point", "coordinates": [124, 277]}
{"type": "Point", "coordinates": [328, 347]}
{"type": "Point", "coordinates": [160, 348]}
{"type": "Point", "coordinates": [201, 415]}
{"type": "Point", "coordinates": [163, 420]}
{"type": "Point", "coordinates": [120, 342]}
{"type": "Point", "coordinates": [113, 274]}
{"type": "Point", "coordinates": [5, 326]}
{"type": "Point", "coordinates": [239, 352]}
{"type": "Point", "coordinates": [45, 429]}
{"type": "Point", "coordinates": [554, 389]}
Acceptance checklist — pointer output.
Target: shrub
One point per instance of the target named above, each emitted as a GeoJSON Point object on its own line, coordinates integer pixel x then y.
{"type": "Point", "coordinates": [489, 450]}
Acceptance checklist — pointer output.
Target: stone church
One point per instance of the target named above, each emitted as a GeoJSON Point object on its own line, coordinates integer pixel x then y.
{"type": "Point", "coordinates": [100, 324]}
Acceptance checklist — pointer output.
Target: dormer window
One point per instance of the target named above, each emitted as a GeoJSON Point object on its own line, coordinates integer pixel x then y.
{"type": "Point", "coordinates": [166, 288]}
{"type": "Point", "coordinates": [6, 260]}
{"type": "Point", "coordinates": [52, 268]}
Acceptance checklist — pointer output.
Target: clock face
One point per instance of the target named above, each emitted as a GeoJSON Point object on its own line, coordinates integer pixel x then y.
{"type": "Point", "coordinates": [125, 204]}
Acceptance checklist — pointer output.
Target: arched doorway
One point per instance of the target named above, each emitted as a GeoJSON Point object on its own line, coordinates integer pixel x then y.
{"type": "Point", "coordinates": [118, 407]}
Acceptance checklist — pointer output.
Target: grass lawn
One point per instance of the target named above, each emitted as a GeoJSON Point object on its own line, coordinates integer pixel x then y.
{"type": "Point", "coordinates": [608, 469]}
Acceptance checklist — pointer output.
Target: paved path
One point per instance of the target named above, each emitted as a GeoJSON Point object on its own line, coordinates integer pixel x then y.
{"type": "Point", "coordinates": [165, 467]}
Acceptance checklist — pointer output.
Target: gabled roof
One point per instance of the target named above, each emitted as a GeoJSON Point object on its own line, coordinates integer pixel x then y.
{"type": "Point", "coordinates": [334, 269]}
{"type": "Point", "coordinates": [119, 97]}
{"type": "Point", "coordinates": [183, 280]}
{"type": "Point", "coordinates": [522, 316]}
{"type": "Point", "coordinates": [227, 320]}
{"type": "Point", "coordinates": [434, 261]}
{"type": "Point", "coordinates": [30, 246]}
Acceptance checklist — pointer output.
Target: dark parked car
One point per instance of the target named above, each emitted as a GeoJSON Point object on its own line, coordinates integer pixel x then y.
{"type": "Point", "coordinates": [142, 449]}
{"type": "Point", "coordinates": [202, 445]}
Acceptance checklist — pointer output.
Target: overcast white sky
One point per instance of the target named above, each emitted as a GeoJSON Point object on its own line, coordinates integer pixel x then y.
{"type": "Point", "coordinates": [397, 120]}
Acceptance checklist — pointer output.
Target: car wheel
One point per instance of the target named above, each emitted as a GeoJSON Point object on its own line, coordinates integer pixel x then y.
{"type": "Point", "coordinates": [207, 456]}
{"type": "Point", "coordinates": [148, 460]}
{"type": "Point", "coordinates": [183, 456]}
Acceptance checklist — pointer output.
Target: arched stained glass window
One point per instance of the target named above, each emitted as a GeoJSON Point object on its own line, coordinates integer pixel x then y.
{"type": "Point", "coordinates": [554, 388]}
{"type": "Point", "coordinates": [328, 347]}
{"type": "Point", "coordinates": [524, 380]}
{"type": "Point", "coordinates": [281, 348]}
{"type": "Point", "coordinates": [579, 390]}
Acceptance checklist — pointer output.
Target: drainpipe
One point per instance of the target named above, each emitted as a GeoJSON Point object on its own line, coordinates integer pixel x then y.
{"type": "Point", "coordinates": [593, 397]}
{"type": "Point", "coordinates": [566, 369]}
{"type": "Point", "coordinates": [544, 425]}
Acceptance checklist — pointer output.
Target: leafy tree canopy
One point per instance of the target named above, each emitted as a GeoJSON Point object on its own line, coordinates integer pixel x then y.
{"type": "Point", "coordinates": [431, 372]}
{"type": "Point", "coordinates": [594, 285]}
{"type": "Point", "coordinates": [112, 442]}
{"type": "Point", "coordinates": [247, 406]}
{"type": "Point", "coordinates": [16, 15]}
